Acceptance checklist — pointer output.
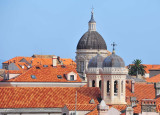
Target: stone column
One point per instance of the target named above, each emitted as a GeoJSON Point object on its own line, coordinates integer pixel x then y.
{"type": "Point", "coordinates": [90, 82]}
{"type": "Point", "coordinates": [97, 81]}
{"type": "Point", "coordinates": [119, 89]}
{"type": "Point", "coordinates": [112, 90]}
{"type": "Point", "coordinates": [103, 91]}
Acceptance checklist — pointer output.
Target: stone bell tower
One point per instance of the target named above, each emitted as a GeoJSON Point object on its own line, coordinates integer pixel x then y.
{"type": "Point", "coordinates": [114, 79]}
{"type": "Point", "coordinates": [110, 75]}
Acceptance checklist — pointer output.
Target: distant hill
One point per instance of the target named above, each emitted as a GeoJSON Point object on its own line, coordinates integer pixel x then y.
{"type": "Point", "coordinates": [1, 61]}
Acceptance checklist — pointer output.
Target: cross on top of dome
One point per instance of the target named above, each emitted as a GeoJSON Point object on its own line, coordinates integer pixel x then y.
{"type": "Point", "coordinates": [113, 47]}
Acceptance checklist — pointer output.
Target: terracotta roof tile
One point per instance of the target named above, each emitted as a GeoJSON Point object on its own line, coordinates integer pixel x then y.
{"type": "Point", "coordinates": [142, 91]}
{"type": "Point", "coordinates": [36, 97]}
{"type": "Point", "coordinates": [148, 67]}
{"type": "Point", "coordinates": [42, 61]}
{"type": "Point", "coordinates": [82, 107]}
{"type": "Point", "coordinates": [118, 107]}
{"type": "Point", "coordinates": [94, 112]}
{"type": "Point", "coordinates": [46, 74]}
{"type": "Point", "coordinates": [14, 71]}
{"type": "Point", "coordinates": [154, 79]}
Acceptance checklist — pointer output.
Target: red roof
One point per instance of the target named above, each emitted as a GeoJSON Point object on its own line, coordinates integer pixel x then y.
{"type": "Point", "coordinates": [154, 79]}
{"type": "Point", "coordinates": [36, 97]}
{"type": "Point", "coordinates": [14, 71]}
{"type": "Point", "coordinates": [149, 67]}
{"type": "Point", "coordinates": [38, 61]}
{"type": "Point", "coordinates": [46, 74]}
{"type": "Point", "coordinates": [81, 107]}
{"type": "Point", "coordinates": [142, 91]}
{"type": "Point", "coordinates": [94, 112]}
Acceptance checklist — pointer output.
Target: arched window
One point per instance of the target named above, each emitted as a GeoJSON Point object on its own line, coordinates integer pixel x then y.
{"type": "Point", "coordinates": [115, 87]}
{"type": "Point", "coordinates": [100, 84]}
{"type": "Point", "coordinates": [108, 86]}
{"type": "Point", "coordinates": [93, 83]}
{"type": "Point", "coordinates": [122, 86]}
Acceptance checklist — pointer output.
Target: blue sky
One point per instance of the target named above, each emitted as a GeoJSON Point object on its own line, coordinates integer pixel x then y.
{"type": "Point", "coordinates": [30, 27]}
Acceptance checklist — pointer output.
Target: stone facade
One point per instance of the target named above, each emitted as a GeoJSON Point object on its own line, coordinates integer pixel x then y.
{"type": "Point", "coordinates": [111, 81]}
{"type": "Point", "coordinates": [83, 56]}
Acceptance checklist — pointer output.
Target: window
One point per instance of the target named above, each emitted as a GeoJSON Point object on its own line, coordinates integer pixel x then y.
{"type": "Point", "coordinates": [37, 67]}
{"type": "Point", "coordinates": [108, 86]}
{"type": "Point", "coordinates": [73, 113]}
{"type": "Point", "coordinates": [72, 77]}
{"type": "Point", "coordinates": [115, 88]}
{"type": "Point", "coordinates": [93, 83]}
{"type": "Point", "coordinates": [100, 84]}
{"type": "Point", "coordinates": [33, 76]}
{"type": "Point", "coordinates": [45, 65]}
{"type": "Point", "coordinates": [59, 76]}
{"type": "Point", "coordinates": [63, 66]}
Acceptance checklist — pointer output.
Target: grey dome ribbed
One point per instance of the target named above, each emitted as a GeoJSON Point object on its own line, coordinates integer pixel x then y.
{"type": "Point", "coordinates": [113, 61]}
{"type": "Point", "coordinates": [96, 61]}
{"type": "Point", "coordinates": [91, 40]}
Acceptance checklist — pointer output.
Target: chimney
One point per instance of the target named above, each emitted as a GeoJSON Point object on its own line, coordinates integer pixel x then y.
{"type": "Point", "coordinates": [102, 108]}
{"type": "Point", "coordinates": [157, 88]}
{"type": "Point", "coordinates": [22, 66]}
{"type": "Point", "coordinates": [129, 111]}
{"type": "Point", "coordinates": [54, 61]}
{"type": "Point", "coordinates": [58, 58]}
{"type": "Point", "coordinates": [132, 86]}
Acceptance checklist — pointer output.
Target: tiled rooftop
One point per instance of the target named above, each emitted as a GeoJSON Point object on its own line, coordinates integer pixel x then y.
{"type": "Point", "coordinates": [46, 74]}
{"type": "Point", "coordinates": [38, 61]}
{"type": "Point", "coordinates": [25, 97]}
{"type": "Point", "coordinates": [94, 112]}
{"type": "Point", "coordinates": [154, 79]}
{"type": "Point", "coordinates": [142, 91]}
{"type": "Point", "coordinates": [149, 67]}
{"type": "Point", "coordinates": [81, 107]}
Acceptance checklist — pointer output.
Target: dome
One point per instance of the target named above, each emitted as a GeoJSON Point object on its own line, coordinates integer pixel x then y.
{"type": "Point", "coordinates": [96, 61]}
{"type": "Point", "coordinates": [113, 61]}
{"type": "Point", "coordinates": [91, 40]}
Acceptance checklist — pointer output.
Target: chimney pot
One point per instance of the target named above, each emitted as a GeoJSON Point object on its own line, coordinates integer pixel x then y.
{"type": "Point", "coordinates": [54, 61]}
{"type": "Point", "coordinates": [132, 86]}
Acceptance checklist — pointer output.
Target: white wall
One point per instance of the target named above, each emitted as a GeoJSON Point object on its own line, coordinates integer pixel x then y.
{"type": "Point", "coordinates": [42, 84]}
{"type": "Point", "coordinates": [35, 114]}
{"type": "Point", "coordinates": [149, 113]}
{"type": "Point", "coordinates": [71, 73]}
{"type": "Point", "coordinates": [79, 112]}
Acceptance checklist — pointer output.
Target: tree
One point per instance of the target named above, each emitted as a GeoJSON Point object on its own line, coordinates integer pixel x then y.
{"type": "Point", "coordinates": [137, 68]}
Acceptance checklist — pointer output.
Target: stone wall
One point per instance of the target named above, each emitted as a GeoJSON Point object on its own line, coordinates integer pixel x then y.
{"type": "Point", "coordinates": [42, 84]}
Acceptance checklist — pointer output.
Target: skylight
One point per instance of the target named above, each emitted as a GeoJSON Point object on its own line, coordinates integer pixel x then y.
{"type": "Point", "coordinates": [37, 67]}
{"type": "Point", "coordinates": [45, 65]}
{"type": "Point", "coordinates": [59, 76]}
{"type": "Point", "coordinates": [33, 76]}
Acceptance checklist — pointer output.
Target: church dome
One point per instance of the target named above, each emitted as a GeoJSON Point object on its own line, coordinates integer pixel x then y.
{"type": "Point", "coordinates": [113, 61]}
{"type": "Point", "coordinates": [96, 61]}
{"type": "Point", "coordinates": [91, 40]}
